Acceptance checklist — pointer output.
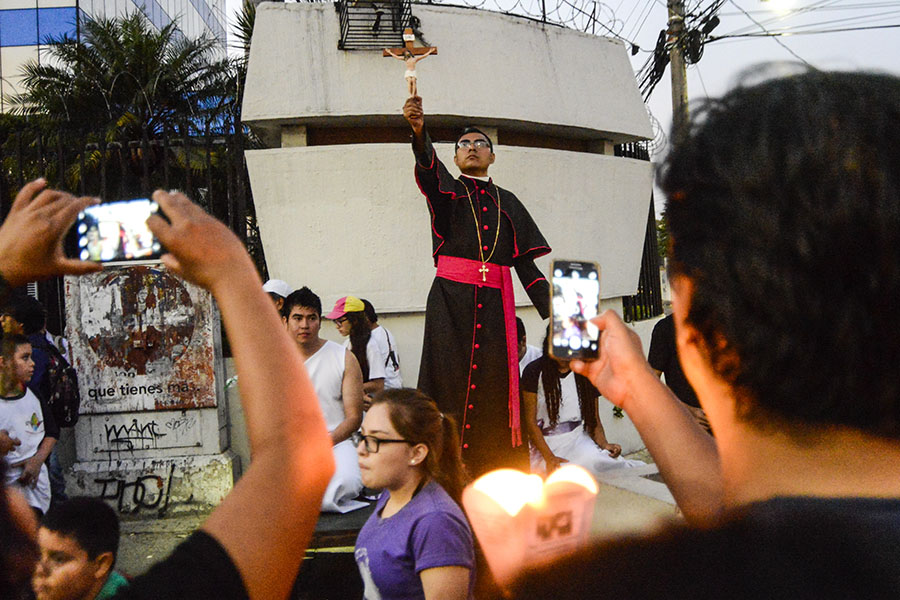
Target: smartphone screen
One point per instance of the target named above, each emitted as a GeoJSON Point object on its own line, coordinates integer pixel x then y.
{"type": "Point", "coordinates": [116, 232]}
{"type": "Point", "coordinates": [574, 301]}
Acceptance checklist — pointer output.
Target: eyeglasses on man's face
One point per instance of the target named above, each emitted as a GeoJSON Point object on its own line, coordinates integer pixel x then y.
{"type": "Point", "coordinates": [373, 443]}
{"type": "Point", "coordinates": [478, 144]}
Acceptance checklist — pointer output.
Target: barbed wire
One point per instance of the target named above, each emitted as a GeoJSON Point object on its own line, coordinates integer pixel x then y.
{"type": "Point", "coordinates": [588, 16]}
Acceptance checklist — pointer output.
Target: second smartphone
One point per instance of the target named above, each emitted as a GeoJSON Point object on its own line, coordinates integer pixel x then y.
{"type": "Point", "coordinates": [574, 301]}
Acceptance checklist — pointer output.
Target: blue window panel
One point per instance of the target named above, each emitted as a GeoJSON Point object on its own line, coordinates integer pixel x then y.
{"type": "Point", "coordinates": [18, 27]}
{"type": "Point", "coordinates": [56, 22]}
{"type": "Point", "coordinates": [202, 7]}
{"type": "Point", "coordinates": [153, 11]}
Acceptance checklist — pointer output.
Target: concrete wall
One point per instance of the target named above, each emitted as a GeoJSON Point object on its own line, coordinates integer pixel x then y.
{"type": "Point", "coordinates": [491, 68]}
{"type": "Point", "coordinates": [350, 219]}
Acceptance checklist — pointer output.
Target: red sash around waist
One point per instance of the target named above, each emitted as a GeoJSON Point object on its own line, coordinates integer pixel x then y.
{"type": "Point", "coordinates": [473, 272]}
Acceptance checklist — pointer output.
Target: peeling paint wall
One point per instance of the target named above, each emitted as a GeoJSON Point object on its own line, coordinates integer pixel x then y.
{"type": "Point", "coordinates": [147, 349]}
{"type": "Point", "coordinates": [141, 339]}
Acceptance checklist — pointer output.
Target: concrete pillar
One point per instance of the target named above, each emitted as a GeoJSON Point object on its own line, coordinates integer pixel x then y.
{"type": "Point", "coordinates": [153, 432]}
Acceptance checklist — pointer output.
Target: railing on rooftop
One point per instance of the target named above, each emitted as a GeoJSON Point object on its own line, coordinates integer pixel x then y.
{"type": "Point", "coordinates": [373, 24]}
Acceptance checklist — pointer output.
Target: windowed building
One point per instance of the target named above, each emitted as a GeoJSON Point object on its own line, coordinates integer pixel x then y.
{"type": "Point", "coordinates": [25, 26]}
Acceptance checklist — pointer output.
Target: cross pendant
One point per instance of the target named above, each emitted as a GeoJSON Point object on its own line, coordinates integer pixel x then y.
{"type": "Point", "coordinates": [483, 270]}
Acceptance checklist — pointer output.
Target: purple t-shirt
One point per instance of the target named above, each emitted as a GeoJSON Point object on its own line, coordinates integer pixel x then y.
{"type": "Point", "coordinates": [430, 531]}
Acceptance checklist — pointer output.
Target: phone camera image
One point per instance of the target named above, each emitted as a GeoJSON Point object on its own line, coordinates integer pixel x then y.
{"type": "Point", "coordinates": [117, 232]}
{"type": "Point", "coordinates": [575, 301]}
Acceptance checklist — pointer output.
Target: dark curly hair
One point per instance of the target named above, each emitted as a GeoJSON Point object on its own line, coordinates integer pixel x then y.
{"type": "Point", "coordinates": [784, 213]}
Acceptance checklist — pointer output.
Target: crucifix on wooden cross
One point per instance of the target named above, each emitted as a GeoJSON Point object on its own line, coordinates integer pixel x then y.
{"type": "Point", "coordinates": [410, 55]}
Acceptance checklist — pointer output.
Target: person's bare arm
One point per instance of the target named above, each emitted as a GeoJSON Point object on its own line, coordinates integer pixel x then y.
{"type": "Point", "coordinates": [686, 456]}
{"type": "Point", "coordinates": [415, 116]}
{"type": "Point", "coordinates": [445, 583]}
{"type": "Point", "coordinates": [373, 386]}
{"type": "Point", "coordinates": [31, 467]}
{"type": "Point", "coordinates": [31, 238]}
{"type": "Point", "coordinates": [529, 400]}
{"type": "Point", "coordinates": [266, 521]}
{"type": "Point", "coordinates": [599, 437]}
{"type": "Point", "coordinates": [352, 397]}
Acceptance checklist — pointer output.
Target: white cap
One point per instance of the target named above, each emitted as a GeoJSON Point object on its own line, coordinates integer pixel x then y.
{"type": "Point", "coordinates": [277, 286]}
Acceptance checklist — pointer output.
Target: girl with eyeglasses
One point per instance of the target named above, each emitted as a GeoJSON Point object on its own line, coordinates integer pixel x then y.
{"type": "Point", "coordinates": [417, 543]}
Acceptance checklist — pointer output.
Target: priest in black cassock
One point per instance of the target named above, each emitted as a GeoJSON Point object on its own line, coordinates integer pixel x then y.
{"type": "Point", "coordinates": [479, 232]}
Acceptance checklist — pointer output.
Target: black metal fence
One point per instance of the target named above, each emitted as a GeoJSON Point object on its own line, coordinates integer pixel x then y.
{"type": "Point", "coordinates": [209, 168]}
{"type": "Point", "coordinates": [647, 303]}
{"type": "Point", "coordinates": [373, 24]}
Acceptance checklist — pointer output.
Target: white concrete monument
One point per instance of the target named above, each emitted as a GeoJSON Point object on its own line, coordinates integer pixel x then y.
{"type": "Point", "coordinates": [336, 200]}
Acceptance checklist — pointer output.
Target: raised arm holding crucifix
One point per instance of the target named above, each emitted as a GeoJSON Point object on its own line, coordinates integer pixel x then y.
{"type": "Point", "coordinates": [479, 231]}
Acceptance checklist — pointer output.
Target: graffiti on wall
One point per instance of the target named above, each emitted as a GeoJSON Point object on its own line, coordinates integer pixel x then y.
{"type": "Point", "coordinates": [118, 435]}
{"type": "Point", "coordinates": [144, 492]}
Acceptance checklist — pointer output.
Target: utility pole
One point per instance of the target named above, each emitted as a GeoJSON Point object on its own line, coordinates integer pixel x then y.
{"type": "Point", "coordinates": [679, 71]}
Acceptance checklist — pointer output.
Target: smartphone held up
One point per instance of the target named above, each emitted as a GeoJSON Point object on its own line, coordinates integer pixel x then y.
{"type": "Point", "coordinates": [115, 232]}
{"type": "Point", "coordinates": [574, 301]}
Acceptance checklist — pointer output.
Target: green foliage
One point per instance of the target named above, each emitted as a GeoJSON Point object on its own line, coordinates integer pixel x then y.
{"type": "Point", "coordinates": [124, 79]}
{"type": "Point", "coordinates": [662, 236]}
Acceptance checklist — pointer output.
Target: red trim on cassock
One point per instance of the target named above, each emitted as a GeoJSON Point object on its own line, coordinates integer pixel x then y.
{"type": "Point", "coordinates": [534, 282]}
{"type": "Point", "coordinates": [464, 270]}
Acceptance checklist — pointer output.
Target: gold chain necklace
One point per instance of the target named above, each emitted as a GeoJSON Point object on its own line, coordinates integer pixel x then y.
{"type": "Point", "coordinates": [484, 270]}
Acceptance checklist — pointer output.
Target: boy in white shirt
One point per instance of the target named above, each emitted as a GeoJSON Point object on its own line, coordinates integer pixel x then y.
{"type": "Point", "coordinates": [22, 417]}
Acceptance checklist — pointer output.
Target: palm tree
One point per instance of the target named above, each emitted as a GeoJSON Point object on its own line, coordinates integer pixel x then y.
{"type": "Point", "coordinates": [123, 79]}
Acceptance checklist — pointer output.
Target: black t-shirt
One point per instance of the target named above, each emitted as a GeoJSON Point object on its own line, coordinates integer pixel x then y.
{"type": "Point", "coordinates": [531, 374]}
{"type": "Point", "coordinates": [797, 548]}
{"type": "Point", "coordinates": [664, 357]}
{"type": "Point", "coordinates": [199, 568]}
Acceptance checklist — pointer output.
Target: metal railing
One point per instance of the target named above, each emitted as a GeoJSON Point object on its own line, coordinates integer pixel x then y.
{"type": "Point", "coordinates": [209, 168]}
{"type": "Point", "coordinates": [647, 303]}
{"type": "Point", "coordinates": [373, 24]}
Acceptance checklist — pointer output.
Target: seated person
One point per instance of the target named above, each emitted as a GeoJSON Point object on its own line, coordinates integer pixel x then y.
{"type": "Point", "coordinates": [337, 378]}
{"type": "Point", "coordinates": [253, 543]}
{"type": "Point", "coordinates": [417, 544]}
{"type": "Point", "coordinates": [784, 221]}
{"type": "Point", "coordinates": [527, 353]}
{"type": "Point", "coordinates": [79, 539]}
{"type": "Point", "coordinates": [22, 416]}
{"type": "Point", "coordinates": [350, 319]}
{"type": "Point", "coordinates": [385, 340]}
{"type": "Point", "coordinates": [560, 415]}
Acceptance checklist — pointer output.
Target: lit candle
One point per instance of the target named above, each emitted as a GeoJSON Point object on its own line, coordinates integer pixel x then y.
{"type": "Point", "coordinates": [521, 520]}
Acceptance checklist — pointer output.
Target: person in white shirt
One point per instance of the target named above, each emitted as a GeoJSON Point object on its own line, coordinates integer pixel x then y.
{"type": "Point", "coordinates": [336, 375]}
{"type": "Point", "coordinates": [388, 346]}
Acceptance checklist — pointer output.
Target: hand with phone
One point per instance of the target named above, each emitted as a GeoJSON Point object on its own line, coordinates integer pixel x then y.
{"type": "Point", "coordinates": [31, 237]}
{"type": "Point", "coordinates": [621, 370]}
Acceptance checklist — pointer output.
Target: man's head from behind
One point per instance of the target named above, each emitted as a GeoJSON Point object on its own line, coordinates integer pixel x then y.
{"type": "Point", "coordinates": [784, 215]}
{"type": "Point", "coordinates": [78, 539]}
{"type": "Point", "coordinates": [302, 314]}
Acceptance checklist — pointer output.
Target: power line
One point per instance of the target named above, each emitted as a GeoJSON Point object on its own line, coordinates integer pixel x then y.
{"type": "Point", "coordinates": [777, 34]}
{"type": "Point", "coordinates": [780, 43]}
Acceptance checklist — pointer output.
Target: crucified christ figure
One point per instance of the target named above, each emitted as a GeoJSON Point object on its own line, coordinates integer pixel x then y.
{"type": "Point", "coordinates": [411, 61]}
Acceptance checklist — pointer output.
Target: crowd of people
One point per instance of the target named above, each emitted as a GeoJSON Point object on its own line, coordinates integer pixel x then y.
{"type": "Point", "coordinates": [784, 215]}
